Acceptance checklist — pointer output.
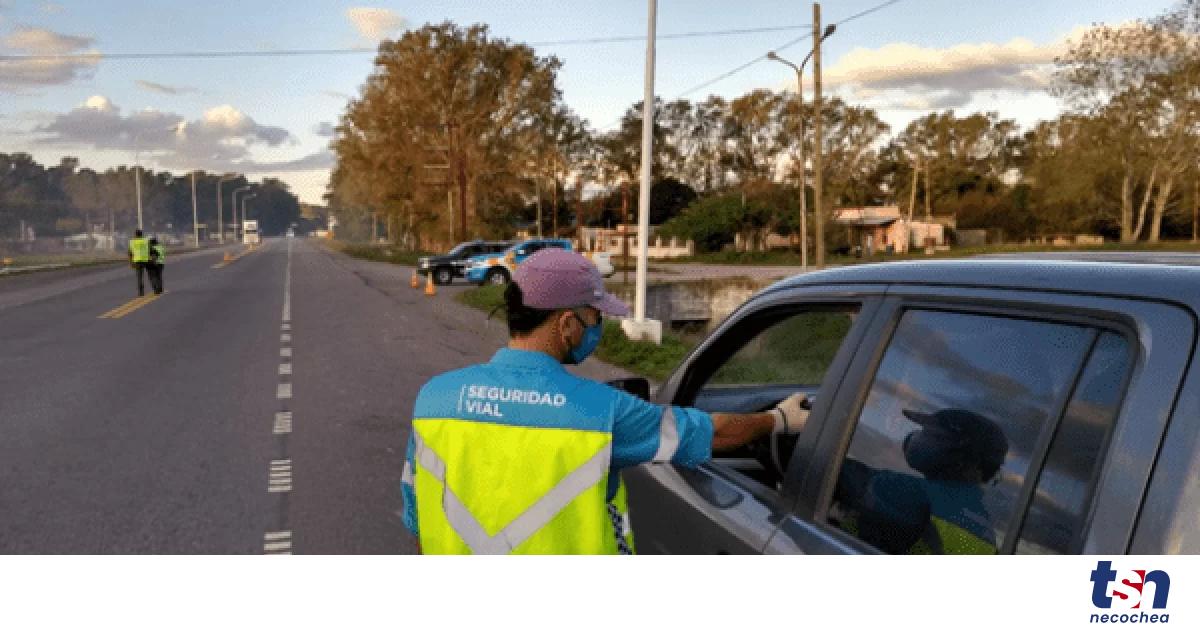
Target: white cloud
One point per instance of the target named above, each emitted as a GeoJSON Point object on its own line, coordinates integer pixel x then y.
{"type": "Point", "coordinates": [220, 139]}
{"type": "Point", "coordinates": [910, 77]}
{"type": "Point", "coordinates": [162, 88]}
{"type": "Point", "coordinates": [52, 8]}
{"type": "Point", "coordinates": [324, 129]}
{"type": "Point", "coordinates": [57, 59]}
{"type": "Point", "coordinates": [376, 24]}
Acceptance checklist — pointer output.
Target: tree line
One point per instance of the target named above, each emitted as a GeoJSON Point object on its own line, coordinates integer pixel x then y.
{"type": "Point", "coordinates": [66, 199]}
{"type": "Point", "coordinates": [460, 133]}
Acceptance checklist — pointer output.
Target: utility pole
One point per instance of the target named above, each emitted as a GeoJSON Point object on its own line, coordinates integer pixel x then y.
{"type": "Point", "coordinates": [137, 185]}
{"type": "Point", "coordinates": [220, 209]}
{"type": "Point", "coordinates": [818, 167]}
{"type": "Point", "coordinates": [1195, 206]}
{"type": "Point", "coordinates": [195, 212]}
{"type": "Point", "coordinates": [537, 192]}
{"type": "Point", "coordinates": [773, 56]}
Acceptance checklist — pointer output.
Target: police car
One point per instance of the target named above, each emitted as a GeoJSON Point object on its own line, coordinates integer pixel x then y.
{"type": "Point", "coordinates": [498, 268]}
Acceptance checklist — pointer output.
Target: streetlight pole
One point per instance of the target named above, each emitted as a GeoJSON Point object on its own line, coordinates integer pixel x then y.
{"type": "Point", "coordinates": [195, 224]}
{"type": "Point", "coordinates": [220, 209]}
{"type": "Point", "coordinates": [234, 211]}
{"type": "Point", "coordinates": [641, 328]}
{"type": "Point", "coordinates": [137, 183]}
{"type": "Point", "coordinates": [803, 165]}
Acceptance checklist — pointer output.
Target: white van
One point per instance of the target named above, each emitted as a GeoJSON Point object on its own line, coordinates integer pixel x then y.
{"type": "Point", "coordinates": [250, 232]}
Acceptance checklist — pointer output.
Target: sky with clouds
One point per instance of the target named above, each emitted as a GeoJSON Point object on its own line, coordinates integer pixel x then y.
{"type": "Point", "coordinates": [273, 116]}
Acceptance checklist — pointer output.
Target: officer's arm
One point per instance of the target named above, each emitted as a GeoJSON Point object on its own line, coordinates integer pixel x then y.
{"type": "Point", "coordinates": [731, 430]}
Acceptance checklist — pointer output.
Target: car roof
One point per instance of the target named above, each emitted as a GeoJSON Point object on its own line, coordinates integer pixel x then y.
{"type": "Point", "coordinates": [1143, 277]}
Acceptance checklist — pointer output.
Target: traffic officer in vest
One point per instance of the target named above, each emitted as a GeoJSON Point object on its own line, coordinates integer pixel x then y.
{"type": "Point", "coordinates": [518, 455]}
{"type": "Point", "coordinates": [158, 260]}
{"type": "Point", "coordinates": [139, 257]}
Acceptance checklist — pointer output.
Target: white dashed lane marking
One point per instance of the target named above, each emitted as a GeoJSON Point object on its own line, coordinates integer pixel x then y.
{"type": "Point", "coordinates": [277, 542]}
{"type": "Point", "coordinates": [285, 352]}
{"type": "Point", "coordinates": [285, 369]}
{"type": "Point", "coordinates": [281, 476]}
{"type": "Point", "coordinates": [283, 391]}
{"type": "Point", "coordinates": [285, 327]}
{"type": "Point", "coordinates": [285, 338]}
{"type": "Point", "coordinates": [283, 422]}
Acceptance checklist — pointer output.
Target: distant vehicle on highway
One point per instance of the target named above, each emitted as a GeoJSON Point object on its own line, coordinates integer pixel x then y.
{"type": "Point", "coordinates": [498, 269]}
{"type": "Point", "coordinates": [250, 232]}
{"type": "Point", "coordinates": [985, 406]}
{"type": "Point", "coordinates": [453, 264]}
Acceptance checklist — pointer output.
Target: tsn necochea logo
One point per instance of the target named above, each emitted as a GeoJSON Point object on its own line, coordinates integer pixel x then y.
{"type": "Point", "coordinates": [1133, 595]}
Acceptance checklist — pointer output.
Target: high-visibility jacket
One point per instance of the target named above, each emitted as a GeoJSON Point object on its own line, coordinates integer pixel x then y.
{"type": "Point", "coordinates": [160, 254]}
{"type": "Point", "coordinates": [139, 250]}
{"type": "Point", "coordinates": [520, 456]}
{"type": "Point", "coordinates": [491, 488]}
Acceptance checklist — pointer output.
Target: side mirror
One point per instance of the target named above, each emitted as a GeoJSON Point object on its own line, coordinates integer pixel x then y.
{"type": "Point", "coordinates": [637, 386]}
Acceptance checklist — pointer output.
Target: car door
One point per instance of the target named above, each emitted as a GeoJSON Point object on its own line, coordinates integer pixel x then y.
{"type": "Point", "coordinates": [775, 345]}
{"type": "Point", "coordinates": [1067, 417]}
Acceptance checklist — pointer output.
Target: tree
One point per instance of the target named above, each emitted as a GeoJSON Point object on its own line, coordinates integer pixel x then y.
{"type": "Point", "coordinates": [446, 108]}
{"type": "Point", "coordinates": [1141, 82]}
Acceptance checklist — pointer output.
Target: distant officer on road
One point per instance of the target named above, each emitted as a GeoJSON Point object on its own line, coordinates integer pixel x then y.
{"type": "Point", "coordinates": [139, 257]}
{"type": "Point", "coordinates": [158, 260]}
{"type": "Point", "coordinates": [518, 455]}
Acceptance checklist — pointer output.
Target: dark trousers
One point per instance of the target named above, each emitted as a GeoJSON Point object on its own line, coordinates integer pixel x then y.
{"type": "Point", "coordinates": [138, 269]}
{"type": "Point", "coordinates": [155, 272]}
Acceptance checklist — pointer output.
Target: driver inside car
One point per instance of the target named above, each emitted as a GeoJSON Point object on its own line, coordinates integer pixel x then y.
{"type": "Point", "coordinates": [518, 455]}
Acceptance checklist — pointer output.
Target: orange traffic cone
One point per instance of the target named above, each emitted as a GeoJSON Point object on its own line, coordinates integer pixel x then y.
{"type": "Point", "coordinates": [415, 283]}
{"type": "Point", "coordinates": [429, 288]}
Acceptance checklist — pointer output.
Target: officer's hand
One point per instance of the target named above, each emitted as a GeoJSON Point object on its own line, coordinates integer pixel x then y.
{"type": "Point", "coordinates": [791, 414]}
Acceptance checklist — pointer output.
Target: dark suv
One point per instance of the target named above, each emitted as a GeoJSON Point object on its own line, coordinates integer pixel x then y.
{"type": "Point", "coordinates": [983, 406]}
{"type": "Point", "coordinates": [453, 264]}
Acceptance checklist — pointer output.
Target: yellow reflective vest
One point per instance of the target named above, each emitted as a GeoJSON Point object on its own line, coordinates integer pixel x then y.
{"type": "Point", "coordinates": [139, 250]}
{"type": "Point", "coordinates": [500, 499]}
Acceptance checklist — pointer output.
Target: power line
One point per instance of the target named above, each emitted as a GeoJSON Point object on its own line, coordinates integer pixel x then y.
{"type": "Point", "coordinates": [726, 75]}
{"type": "Point", "coordinates": [784, 46]}
{"type": "Point", "coordinates": [642, 38]}
{"type": "Point", "coordinates": [305, 52]}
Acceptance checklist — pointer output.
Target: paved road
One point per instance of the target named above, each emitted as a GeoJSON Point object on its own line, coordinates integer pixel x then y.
{"type": "Point", "coordinates": [256, 407]}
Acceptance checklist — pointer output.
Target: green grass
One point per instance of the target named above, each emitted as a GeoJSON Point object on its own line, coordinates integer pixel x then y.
{"type": "Point", "coordinates": [796, 350]}
{"type": "Point", "coordinates": [484, 298]}
{"type": "Point", "coordinates": [653, 361]}
{"type": "Point", "coordinates": [379, 253]}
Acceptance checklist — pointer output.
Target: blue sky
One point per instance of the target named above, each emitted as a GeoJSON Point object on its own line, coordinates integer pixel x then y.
{"type": "Point", "coordinates": [266, 113]}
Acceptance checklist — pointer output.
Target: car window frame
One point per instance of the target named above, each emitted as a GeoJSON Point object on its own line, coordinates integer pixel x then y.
{"type": "Point", "coordinates": [1041, 446]}
{"type": "Point", "coordinates": [681, 387]}
{"type": "Point", "coordinates": [1077, 539]}
{"type": "Point", "coordinates": [1123, 314]}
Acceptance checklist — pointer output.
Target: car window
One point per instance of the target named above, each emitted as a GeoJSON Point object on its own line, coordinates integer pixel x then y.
{"type": "Point", "coordinates": [796, 350]}
{"type": "Point", "coordinates": [942, 446]}
{"type": "Point", "coordinates": [1055, 521]}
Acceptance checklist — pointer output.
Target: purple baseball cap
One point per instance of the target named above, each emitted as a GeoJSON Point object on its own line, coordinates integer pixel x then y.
{"type": "Point", "coordinates": [555, 278]}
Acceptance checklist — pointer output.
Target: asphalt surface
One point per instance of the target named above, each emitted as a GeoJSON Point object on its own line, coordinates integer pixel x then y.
{"type": "Point", "coordinates": [167, 429]}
